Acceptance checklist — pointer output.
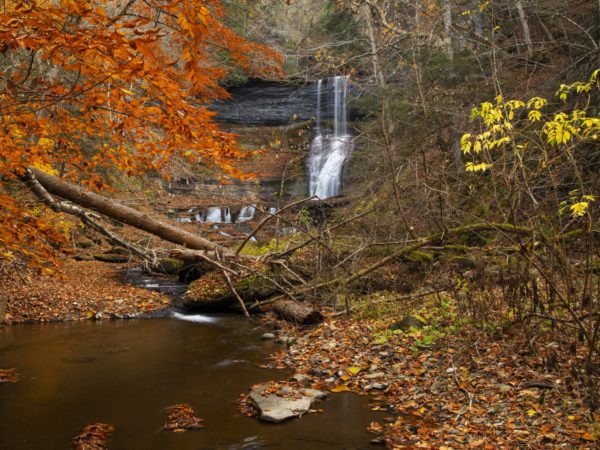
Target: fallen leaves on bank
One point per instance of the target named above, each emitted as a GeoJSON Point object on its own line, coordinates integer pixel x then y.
{"type": "Point", "coordinates": [85, 290]}
{"type": "Point", "coordinates": [466, 390]}
{"type": "Point", "coordinates": [182, 417]}
{"type": "Point", "coordinates": [93, 437]}
{"type": "Point", "coordinates": [9, 376]}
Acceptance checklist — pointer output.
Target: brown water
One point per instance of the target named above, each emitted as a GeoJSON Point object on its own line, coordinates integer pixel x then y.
{"type": "Point", "coordinates": [126, 373]}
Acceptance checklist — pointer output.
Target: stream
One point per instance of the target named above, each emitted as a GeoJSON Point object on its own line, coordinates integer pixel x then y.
{"type": "Point", "coordinates": [125, 373]}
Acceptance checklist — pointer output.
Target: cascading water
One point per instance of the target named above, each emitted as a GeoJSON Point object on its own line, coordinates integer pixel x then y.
{"type": "Point", "coordinates": [213, 215]}
{"type": "Point", "coordinates": [328, 150]}
{"type": "Point", "coordinates": [247, 213]}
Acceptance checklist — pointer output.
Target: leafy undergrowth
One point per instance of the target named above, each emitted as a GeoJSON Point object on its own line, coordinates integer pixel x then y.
{"type": "Point", "coordinates": [450, 385]}
{"type": "Point", "coordinates": [9, 376]}
{"type": "Point", "coordinates": [84, 290]}
{"type": "Point", "coordinates": [93, 437]}
{"type": "Point", "coordinates": [181, 417]}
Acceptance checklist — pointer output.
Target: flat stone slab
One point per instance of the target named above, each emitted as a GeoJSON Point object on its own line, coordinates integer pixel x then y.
{"type": "Point", "coordinates": [284, 403]}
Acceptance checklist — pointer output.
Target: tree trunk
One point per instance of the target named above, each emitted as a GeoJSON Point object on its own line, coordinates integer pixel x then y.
{"type": "Point", "coordinates": [525, 26]}
{"type": "Point", "coordinates": [295, 312]}
{"type": "Point", "coordinates": [125, 214]}
{"type": "Point", "coordinates": [377, 70]}
{"type": "Point", "coordinates": [448, 42]}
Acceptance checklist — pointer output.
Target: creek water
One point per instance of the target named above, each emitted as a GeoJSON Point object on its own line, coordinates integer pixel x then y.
{"type": "Point", "coordinates": [125, 373]}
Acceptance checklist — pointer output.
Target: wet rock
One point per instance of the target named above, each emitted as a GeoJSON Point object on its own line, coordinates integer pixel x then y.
{"type": "Point", "coordinates": [407, 323]}
{"type": "Point", "coordinates": [282, 340]}
{"type": "Point", "coordinates": [302, 379]}
{"type": "Point", "coordinates": [268, 337]}
{"type": "Point", "coordinates": [374, 375]}
{"type": "Point", "coordinates": [283, 404]}
{"type": "Point", "coordinates": [377, 387]}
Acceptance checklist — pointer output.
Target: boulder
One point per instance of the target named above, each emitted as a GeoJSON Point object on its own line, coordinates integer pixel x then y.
{"type": "Point", "coordinates": [407, 323]}
{"type": "Point", "coordinates": [168, 266]}
{"type": "Point", "coordinates": [285, 403]}
{"type": "Point", "coordinates": [212, 293]}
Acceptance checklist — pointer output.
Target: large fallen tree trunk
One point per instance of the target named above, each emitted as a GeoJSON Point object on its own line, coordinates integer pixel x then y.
{"type": "Point", "coordinates": [124, 214]}
{"type": "Point", "coordinates": [295, 312]}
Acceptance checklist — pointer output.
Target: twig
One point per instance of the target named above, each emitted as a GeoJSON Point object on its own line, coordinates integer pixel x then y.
{"type": "Point", "coordinates": [266, 219]}
{"type": "Point", "coordinates": [235, 292]}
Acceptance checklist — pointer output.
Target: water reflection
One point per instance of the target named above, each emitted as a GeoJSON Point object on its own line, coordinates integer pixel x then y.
{"type": "Point", "coordinates": [127, 372]}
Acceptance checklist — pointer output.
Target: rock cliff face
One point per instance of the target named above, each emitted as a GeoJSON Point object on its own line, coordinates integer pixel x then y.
{"type": "Point", "coordinates": [261, 102]}
{"type": "Point", "coordinates": [273, 103]}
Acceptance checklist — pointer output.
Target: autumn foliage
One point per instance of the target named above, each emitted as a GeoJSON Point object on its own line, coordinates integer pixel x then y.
{"type": "Point", "coordinates": [92, 86]}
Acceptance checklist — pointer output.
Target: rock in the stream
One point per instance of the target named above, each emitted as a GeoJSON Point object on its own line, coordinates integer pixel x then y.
{"type": "Point", "coordinates": [302, 379]}
{"type": "Point", "coordinates": [268, 337]}
{"type": "Point", "coordinates": [283, 404]}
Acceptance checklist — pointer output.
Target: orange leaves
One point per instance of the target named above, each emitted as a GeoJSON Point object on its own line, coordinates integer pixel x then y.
{"type": "Point", "coordinates": [107, 92]}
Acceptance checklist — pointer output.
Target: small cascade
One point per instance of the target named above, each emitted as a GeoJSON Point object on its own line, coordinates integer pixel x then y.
{"type": "Point", "coordinates": [227, 215]}
{"type": "Point", "coordinates": [213, 215]}
{"type": "Point", "coordinates": [247, 213]}
{"type": "Point", "coordinates": [329, 150]}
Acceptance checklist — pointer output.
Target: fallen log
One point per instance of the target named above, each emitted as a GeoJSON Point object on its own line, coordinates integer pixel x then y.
{"type": "Point", "coordinates": [295, 312]}
{"type": "Point", "coordinates": [124, 214]}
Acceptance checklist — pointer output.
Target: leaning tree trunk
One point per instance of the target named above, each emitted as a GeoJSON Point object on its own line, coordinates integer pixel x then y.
{"type": "Point", "coordinates": [125, 214]}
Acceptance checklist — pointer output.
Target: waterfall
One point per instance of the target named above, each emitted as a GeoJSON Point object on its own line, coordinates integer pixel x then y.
{"type": "Point", "coordinates": [329, 151]}
{"type": "Point", "coordinates": [227, 214]}
{"type": "Point", "coordinates": [213, 215]}
{"type": "Point", "coordinates": [247, 213]}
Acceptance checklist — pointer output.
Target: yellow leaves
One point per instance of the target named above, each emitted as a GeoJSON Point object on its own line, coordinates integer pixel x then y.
{"type": "Point", "coordinates": [46, 143]}
{"type": "Point", "coordinates": [537, 103]}
{"type": "Point", "coordinates": [44, 167]}
{"type": "Point", "coordinates": [341, 388]}
{"type": "Point", "coordinates": [579, 209]}
{"type": "Point", "coordinates": [354, 370]}
{"type": "Point", "coordinates": [534, 116]}
{"type": "Point", "coordinates": [558, 132]}
{"type": "Point", "coordinates": [465, 143]}
{"type": "Point", "coordinates": [579, 204]}
{"type": "Point", "coordinates": [480, 167]}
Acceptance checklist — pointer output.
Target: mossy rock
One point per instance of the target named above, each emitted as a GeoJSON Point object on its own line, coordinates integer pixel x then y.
{"type": "Point", "coordinates": [118, 251]}
{"type": "Point", "coordinates": [83, 257]}
{"type": "Point", "coordinates": [111, 258]}
{"type": "Point", "coordinates": [84, 242]}
{"type": "Point", "coordinates": [463, 262]}
{"type": "Point", "coordinates": [169, 266]}
{"type": "Point", "coordinates": [211, 292]}
{"type": "Point", "coordinates": [419, 257]}
{"type": "Point", "coordinates": [407, 323]}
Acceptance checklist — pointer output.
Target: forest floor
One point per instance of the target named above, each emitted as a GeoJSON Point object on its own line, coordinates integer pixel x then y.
{"type": "Point", "coordinates": [83, 290]}
{"type": "Point", "coordinates": [450, 385]}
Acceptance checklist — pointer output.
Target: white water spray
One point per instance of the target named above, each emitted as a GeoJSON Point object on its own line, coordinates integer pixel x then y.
{"type": "Point", "coordinates": [329, 151]}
